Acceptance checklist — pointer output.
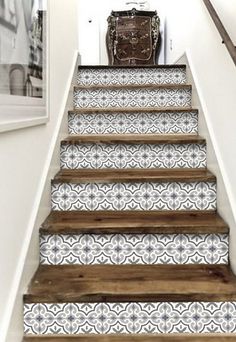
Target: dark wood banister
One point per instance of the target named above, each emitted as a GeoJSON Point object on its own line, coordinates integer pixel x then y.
{"type": "Point", "coordinates": [224, 34]}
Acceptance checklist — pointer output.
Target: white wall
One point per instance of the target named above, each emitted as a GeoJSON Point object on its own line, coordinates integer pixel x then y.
{"type": "Point", "coordinates": [92, 27]}
{"type": "Point", "coordinates": [193, 31]}
{"type": "Point", "coordinates": [25, 159]}
{"type": "Point", "coordinates": [88, 31]}
{"type": "Point", "coordinates": [193, 24]}
{"type": "Point", "coordinates": [226, 11]}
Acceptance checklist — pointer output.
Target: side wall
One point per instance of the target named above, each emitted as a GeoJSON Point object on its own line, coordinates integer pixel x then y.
{"type": "Point", "coordinates": [25, 160]}
{"type": "Point", "coordinates": [226, 11]}
{"type": "Point", "coordinates": [193, 31]}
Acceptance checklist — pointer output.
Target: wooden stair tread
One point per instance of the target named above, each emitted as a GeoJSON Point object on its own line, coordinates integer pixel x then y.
{"type": "Point", "coordinates": [136, 139]}
{"type": "Point", "coordinates": [135, 86]}
{"type": "Point", "coordinates": [133, 175]}
{"type": "Point", "coordinates": [133, 110]}
{"type": "Point", "coordinates": [136, 338]}
{"type": "Point", "coordinates": [141, 222]}
{"type": "Point", "coordinates": [132, 283]}
{"type": "Point", "coordinates": [145, 66]}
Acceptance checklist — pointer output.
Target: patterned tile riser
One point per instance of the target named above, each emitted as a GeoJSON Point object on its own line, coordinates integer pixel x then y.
{"type": "Point", "coordinates": [137, 76]}
{"type": "Point", "coordinates": [134, 123]}
{"type": "Point", "coordinates": [131, 98]}
{"type": "Point", "coordinates": [120, 249]}
{"type": "Point", "coordinates": [134, 196]}
{"type": "Point", "coordinates": [130, 318]}
{"type": "Point", "coordinates": [123, 156]}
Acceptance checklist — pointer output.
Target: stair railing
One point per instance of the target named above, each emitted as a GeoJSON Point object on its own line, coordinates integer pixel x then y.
{"type": "Point", "coordinates": [222, 31]}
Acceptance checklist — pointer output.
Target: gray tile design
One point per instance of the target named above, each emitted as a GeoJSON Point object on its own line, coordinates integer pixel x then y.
{"type": "Point", "coordinates": [127, 76]}
{"type": "Point", "coordinates": [130, 318]}
{"type": "Point", "coordinates": [90, 249]}
{"type": "Point", "coordinates": [146, 249]}
{"type": "Point", "coordinates": [131, 98]}
{"type": "Point", "coordinates": [125, 156]}
{"type": "Point", "coordinates": [134, 123]}
{"type": "Point", "coordinates": [134, 196]}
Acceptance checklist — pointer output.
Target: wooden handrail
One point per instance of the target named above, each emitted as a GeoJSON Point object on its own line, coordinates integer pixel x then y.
{"type": "Point", "coordinates": [222, 31]}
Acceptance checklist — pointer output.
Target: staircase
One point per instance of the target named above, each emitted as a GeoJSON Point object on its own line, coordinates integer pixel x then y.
{"type": "Point", "coordinates": [133, 249]}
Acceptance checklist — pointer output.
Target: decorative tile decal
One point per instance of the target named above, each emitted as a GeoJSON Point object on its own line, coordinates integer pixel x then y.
{"type": "Point", "coordinates": [132, 98]}
{"type": "Point", "coordinates": [134, 196]}
{"type": "Point", "coordinates": [130, 318]}
{"type": "Point", "coordinates": [123, 156]}
{"type": "Point", "coordinates": [127, 76]}
{"type": "Point", "coordinates": [134, 123]}
{"type": "Point", "coordinates": [119, 249]}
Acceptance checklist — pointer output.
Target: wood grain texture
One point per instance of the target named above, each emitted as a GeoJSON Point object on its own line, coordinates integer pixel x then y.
{"type": "Point", "coordinates": [136, 338]}
{"type": "Point", "coordinates": [160, 66]}
{"type": "Point", "coordinates": [77, 176]}
{"type": "Point", "coordinates": [142, 222]}
{"type": "Point", "coordinates": [132, 110]}
{"type": "Point", "coordinates": [135, 139]}
{"type": "Point", "coordinates": [135, 86]}
{"type": "Point", "coordinates": [132, 283]}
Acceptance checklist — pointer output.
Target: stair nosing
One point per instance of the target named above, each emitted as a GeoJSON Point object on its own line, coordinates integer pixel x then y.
{"type": "Point", "coordinates": [145, 66]}
{"type": "Point", "coordinates": [121, 274]}
{"type": "Point", "coordinates": [134, 110]}
{"type": "Point", "coordinates": [173, 337]}
{"type": "Point", "coordinates": [134, 139]}
{"type": "Point", "coordinates": [112, 223]}
{"type": "Point", "coordinates": [134, 231]}
{"type": "Point", "coordinates": [135, 86]}
{"type": "Point", "coordinates": [74, 176]}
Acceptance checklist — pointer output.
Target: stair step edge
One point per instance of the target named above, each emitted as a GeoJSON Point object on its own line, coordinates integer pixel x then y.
{"type": "Point", "coordinates": [135, 139]}
{"type": "Point", "coordinates": [133, 223]}
{"type": "Point", "coordinates": [133, 175]}
{"type": "Point", "coordinates": [132, 283]}
{"type": "Point", "coordinates": [131, 86]}
{"type": "Point", "coordinates": [135, 338]}
{"type": "Point", "coordinates": [130, 110]}
{"type": "Point", "coordinates": [157, 66]}
{"type": "Point", "coordinates": [131, 231]}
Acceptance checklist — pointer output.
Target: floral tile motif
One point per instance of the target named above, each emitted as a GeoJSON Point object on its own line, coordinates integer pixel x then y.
{"type": "Point", "coordinates": [123, 156]}
{"type": "Point", "coordinates": [145, 249]}
{"type": "Point", "coordinates": [134, 196]}
{"type": "Point", "coordinates": [132, 98]}
{"type": "Point", "coordinates": [127, 76]}
{"type": "Point", "coordinates": [130, 318]}
{"type": "Point", "coordinates": [134, 123]}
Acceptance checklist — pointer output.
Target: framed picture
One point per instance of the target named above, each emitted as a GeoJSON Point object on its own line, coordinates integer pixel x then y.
{"type": "Point", "coordinates": [22, 47]}
{"type": "Point", "coordinates": [23, 63]}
